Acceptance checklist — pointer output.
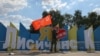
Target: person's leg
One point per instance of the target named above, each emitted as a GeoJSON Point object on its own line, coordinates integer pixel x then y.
{"type": "Point", "coordinates": [55, 49]}
{"type": "Point", "coordinates": [51, 47]}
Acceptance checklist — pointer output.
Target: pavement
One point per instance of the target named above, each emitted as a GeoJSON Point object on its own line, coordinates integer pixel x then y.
{"type": "Point", "coordinates": [68, 53]}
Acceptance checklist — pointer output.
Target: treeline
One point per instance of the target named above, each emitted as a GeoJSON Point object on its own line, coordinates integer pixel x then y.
{"type": "Point", "coordinates": [77, 18]}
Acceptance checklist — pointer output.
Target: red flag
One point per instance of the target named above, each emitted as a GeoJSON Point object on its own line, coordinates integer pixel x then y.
{"type": "Point", "coordinates": [37, 24]}
{"type": "Point", "coordinates": [61, 33]}
{"type": "Point", "coordinates": [47, 20]}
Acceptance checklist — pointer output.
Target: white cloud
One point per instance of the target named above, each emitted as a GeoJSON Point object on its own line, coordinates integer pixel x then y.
{"type": "Point", "coordinates": [53, 4]}
{"type": "Point", "coordinates": [16, 19]}
{"type": "Point", "coordinates": [81, 0]}
{"type": "Point", "coordinates": [77, 0]}
{"type": "Point", "coordinates": [72, 3]}
{"type": "Point", "coordinates": [44, 7]}
{"type": "Point", "coordinates": [7, 6]}
{"type": "Point", "coordinates": [94, 5]}
{"type": "Point", "coordinates": [97, 10]}
{"type": "Point", "coordinates": [59, 4]}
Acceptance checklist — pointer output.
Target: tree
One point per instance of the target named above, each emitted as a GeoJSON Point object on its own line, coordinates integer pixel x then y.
{"type": "Point", "coordinates": [57, 18]}
{"type": "Point", "coordinates": [77, 17]}
{"type": "Point", "coordinates": [45, 13]}
{"type": "Point", "coordinates": [68, 19]}
{"type": "Point", "coordinates": [98, 17]}
{"type": "Point", "coordinates": [93, 19]}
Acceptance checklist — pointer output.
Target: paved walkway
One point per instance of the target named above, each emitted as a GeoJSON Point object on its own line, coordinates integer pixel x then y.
{"type": "Point", "coordinates": [25, 53]}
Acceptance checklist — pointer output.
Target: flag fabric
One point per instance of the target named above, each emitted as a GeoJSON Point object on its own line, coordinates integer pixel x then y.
{"type": "Point", "coordinates": [37, 24]}
{"type": "Point", "coordinates": [89, 39]}
{"type": "Point", "coordinates": [61, 33]}
{"type": "Point", "coordinates": [47, 20]}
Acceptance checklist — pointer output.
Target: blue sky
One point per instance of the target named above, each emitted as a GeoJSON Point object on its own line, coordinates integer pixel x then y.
{"type": "Point", "coordinates": [25, 11]}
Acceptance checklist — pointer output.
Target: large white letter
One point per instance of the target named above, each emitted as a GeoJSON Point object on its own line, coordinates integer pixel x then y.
{"type": "Point", "coordinates": [89, 39]}
{"type": "Point", "coordinates": [28, 44]}
{"type": "Point", "coordinates": [10, 38]}
{"type": "Point", "coordinates": [64, 44]}
{"type": "Point", "coordinates": [21, 43]}
{"type": "Point", "coordinates": [47, 44]}
{"type": "Point", "coordinates": [39, 44]}
{"type": "Point", "coordinates": [73, 44]}
{"type": "Point", "coordinates": [58, 45]}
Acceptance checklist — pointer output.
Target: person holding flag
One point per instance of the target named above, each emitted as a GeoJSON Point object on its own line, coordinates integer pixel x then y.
{"type": "Point", "coordinates": [57, 34]}
{"type": "Point", "coordinates": [54, 40]}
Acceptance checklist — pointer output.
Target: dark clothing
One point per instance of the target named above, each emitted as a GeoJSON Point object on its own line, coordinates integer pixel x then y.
{"type": "Point", "coordinates": [54, 41]}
